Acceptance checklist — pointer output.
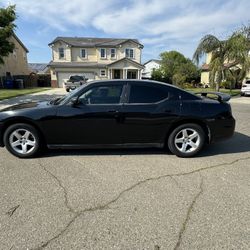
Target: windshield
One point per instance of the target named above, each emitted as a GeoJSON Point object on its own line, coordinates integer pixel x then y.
{"type": "Point", "coordinates": [68, 96]}
{"type": "Point", "coordinates": [58, 101]}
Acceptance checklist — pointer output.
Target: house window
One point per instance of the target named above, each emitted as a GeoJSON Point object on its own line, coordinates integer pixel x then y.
{"type": "Point", "coordinates": [113, 53]}
{"type": "Point", "coordinates": [102, 72]}
{"type": "Point", "coordinates": [103, 53]}
{"type": "Point", "coordinates": [61, 53]}
{"type": "Point", "coordinates": [131, 74]}
{"type": "Point", "coordinates": [130, 53]}
{"type": "Point", "coordinates": [83, 53]}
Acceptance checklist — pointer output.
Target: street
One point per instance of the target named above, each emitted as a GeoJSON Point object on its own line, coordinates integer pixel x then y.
{"type": "Point", "coordinates": [130, 199]}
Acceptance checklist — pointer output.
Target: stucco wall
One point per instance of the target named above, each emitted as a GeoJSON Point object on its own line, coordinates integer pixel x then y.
{"type": "Point", "coordinates": [67, 52]}
{"type": "Point", "coordinates": [204, 77]}
{"type": "Point", "coordinates": [72, 54]}
{"type": "Point", "coordinates": [16, 62]}
{"type": "Point", "coordinates": [208, 58]}
{"type": "Point", "coordinates": [76, 55]}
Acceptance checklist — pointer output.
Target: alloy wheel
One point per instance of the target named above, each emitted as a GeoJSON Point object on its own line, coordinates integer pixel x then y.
{"type": "Point", "coordinates": [187, 140]}
{"type": "Point", "coordinates": [22, 141]}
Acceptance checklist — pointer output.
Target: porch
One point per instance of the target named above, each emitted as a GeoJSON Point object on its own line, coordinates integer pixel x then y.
{"type": "Point", "coordinates": [124, 73]}
{"type": "Point", "coordinates": [124, 68]}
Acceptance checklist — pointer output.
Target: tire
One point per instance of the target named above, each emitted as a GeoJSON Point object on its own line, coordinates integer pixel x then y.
{"type": "Point", "coordinates": [67, 90]}
{"type": "Point", "coordinates": [22, 140]}
{"type": "Point", "coordinates": [242, 94]}
{"type": "Point", "coordinates": [186, 140]}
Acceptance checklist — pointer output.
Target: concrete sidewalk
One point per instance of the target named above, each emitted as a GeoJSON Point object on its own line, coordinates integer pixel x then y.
{"type": "Point", "coordinates": [40, 96]}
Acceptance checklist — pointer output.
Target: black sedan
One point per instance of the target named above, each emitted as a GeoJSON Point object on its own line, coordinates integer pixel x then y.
{"type": "Point", "coordinates": [118, 113]}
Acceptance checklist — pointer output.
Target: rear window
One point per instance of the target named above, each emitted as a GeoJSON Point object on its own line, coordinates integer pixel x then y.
{"type": "Point", "coordinates": [188, 96]}
{"type": "Point", "coordinates": [247, 82]}
{"type": "Point", "coordinates": [76, 78]}
{"type": "Point", "coordinates": [147, 94]}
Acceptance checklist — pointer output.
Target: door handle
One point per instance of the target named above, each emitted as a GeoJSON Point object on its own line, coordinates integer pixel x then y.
{"type": "Point", "coordinates": [113, 111]}
{"type": "Point", "coordinates": [169, 111]}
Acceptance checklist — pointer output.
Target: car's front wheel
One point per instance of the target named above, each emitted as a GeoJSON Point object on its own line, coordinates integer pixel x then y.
{"type": "Point", "coordinates": [22, 140]}
{"type": "Point", "coordinates": [186, 140]}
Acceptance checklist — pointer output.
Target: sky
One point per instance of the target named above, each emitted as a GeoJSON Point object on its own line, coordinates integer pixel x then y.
{"type": "Point", "coordinates": [160, 25]}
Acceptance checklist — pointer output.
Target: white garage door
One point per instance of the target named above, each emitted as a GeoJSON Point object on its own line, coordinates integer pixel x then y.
{"type": "Point", "coordinates": [64, 76]}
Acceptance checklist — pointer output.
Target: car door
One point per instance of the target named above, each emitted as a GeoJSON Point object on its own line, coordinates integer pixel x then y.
{"type": "Point", "coordinates": [94, 120]}
{"type": "Point", "coordinates": [148, 113]}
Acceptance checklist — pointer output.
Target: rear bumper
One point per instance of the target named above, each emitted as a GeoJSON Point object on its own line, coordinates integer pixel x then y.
{"type": "Point", "coordinates": [221, 129]}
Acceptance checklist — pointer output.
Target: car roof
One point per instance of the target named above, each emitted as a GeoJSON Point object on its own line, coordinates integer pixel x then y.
{"type": "Point", "coordinates": [112, 81]}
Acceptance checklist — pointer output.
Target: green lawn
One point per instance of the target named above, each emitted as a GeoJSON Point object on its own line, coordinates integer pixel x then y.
{"type": "Point", "coordinates": [9, 93]}
{"type": "Point", "coordinates": [233, 92]}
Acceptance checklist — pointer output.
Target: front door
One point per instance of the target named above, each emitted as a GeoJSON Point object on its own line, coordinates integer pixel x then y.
{"type": "Point", "coordinates": [94, 120]}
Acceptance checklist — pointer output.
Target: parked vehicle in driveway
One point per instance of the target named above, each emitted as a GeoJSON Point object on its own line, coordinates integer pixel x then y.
{"type": "Point", "coordinates": [74, 82]}
{"type": "Point", "coordinates": [245, 89]}
{"type": "Point", "coordinates": [118, 113]}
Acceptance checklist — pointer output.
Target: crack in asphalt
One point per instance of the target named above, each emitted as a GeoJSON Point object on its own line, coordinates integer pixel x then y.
{"type": "Point", "coordinates": [12, 210]}
{"type": "Point", "coordinates": [188, 215]}
{"type": "Point", "coordinates": [176, 183]}
{"type": "Point", "coordinates": [59, 182]}
{"type": "Point", "coordinates": [106, 205]}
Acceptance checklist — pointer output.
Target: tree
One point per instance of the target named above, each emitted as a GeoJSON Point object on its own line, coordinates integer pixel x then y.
{"type": "Point", "coordinates": [227, 56]}
{"type": "Point", "coordinates": [157, 75]}
{"type": "Point", "coordinates": [170, 63]}
{"type": "Point", "coordinates": [176, 69]}
{"type": "Point", "coordinates": [7, 26]}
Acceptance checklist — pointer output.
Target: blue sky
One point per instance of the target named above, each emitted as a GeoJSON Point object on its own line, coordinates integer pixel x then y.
{"type": "Point", "coordinates": [161, 25]}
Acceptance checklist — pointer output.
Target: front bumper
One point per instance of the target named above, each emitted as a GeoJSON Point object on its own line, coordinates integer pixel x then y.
{"type": "Point", "coordinates": [1, 135]}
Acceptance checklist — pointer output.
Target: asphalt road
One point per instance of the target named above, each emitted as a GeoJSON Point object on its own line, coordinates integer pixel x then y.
{"type": "Point", "coordinates": [129, 199]}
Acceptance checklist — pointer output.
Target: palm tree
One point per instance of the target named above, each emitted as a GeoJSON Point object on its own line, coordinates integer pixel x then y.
{"type": "Point", "coordinates": [226, 56]}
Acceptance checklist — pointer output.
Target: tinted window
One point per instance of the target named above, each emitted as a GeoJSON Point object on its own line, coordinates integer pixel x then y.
{"type": "Point", "coordinates": [147, 94]}
{"type": "Point", "coordinates": [102, 95]}
{"type": "Point", "coordinates": [76, 78]}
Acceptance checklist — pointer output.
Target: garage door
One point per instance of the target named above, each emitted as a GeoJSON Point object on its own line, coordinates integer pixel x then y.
{"type": "Point", "coordinates": [64, 76]}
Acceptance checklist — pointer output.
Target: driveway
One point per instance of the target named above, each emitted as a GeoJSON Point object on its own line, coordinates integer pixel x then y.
{"type": "Point", "coordinates": [129, 199]}
{"type": "Point", "coordinates": [45, 95]}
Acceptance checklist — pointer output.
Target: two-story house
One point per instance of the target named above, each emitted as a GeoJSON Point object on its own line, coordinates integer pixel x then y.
{"type": "Point", "coordinates": [205, 71]}
{"type": "Point", "coordinates": [95, 59]}
{"type": "Point", "coordinates": [15, 64]}
{"type": "Point", "coordinates": [149, 67]}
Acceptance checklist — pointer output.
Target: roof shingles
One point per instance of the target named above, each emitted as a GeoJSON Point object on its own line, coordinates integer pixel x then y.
{"type": "Point", "coordinates": [93, 42]}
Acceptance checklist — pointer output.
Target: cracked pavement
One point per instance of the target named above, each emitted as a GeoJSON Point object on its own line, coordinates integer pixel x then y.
{"type": "Point", "coordinates": [129, 199]}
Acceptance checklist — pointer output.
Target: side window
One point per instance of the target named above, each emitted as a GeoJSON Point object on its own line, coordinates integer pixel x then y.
{"type": "Point", "coordinates": [147, 94]}
{"type": "Point", "coordinates": [110, 94]}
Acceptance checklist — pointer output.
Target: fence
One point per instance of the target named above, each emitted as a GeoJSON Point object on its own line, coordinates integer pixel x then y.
{"type": "Point", "coordinates": [29, 81]}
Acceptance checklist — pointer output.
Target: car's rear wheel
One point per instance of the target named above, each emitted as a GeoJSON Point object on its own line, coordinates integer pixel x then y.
{"type": "Point", "coordinates": [22, 140]}
{"type": "Point", "coordinates": [186, 140]}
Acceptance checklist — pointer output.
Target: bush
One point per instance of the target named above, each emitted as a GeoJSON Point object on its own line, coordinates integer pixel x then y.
{"type": "Point", "coordinates": [227, 85]}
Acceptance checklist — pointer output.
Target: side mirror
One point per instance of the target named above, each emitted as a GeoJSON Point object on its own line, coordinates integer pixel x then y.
{"type": "Point", "coordinates": [74, 100]}
{"type": "Point", "coordinates": [84, 101]}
